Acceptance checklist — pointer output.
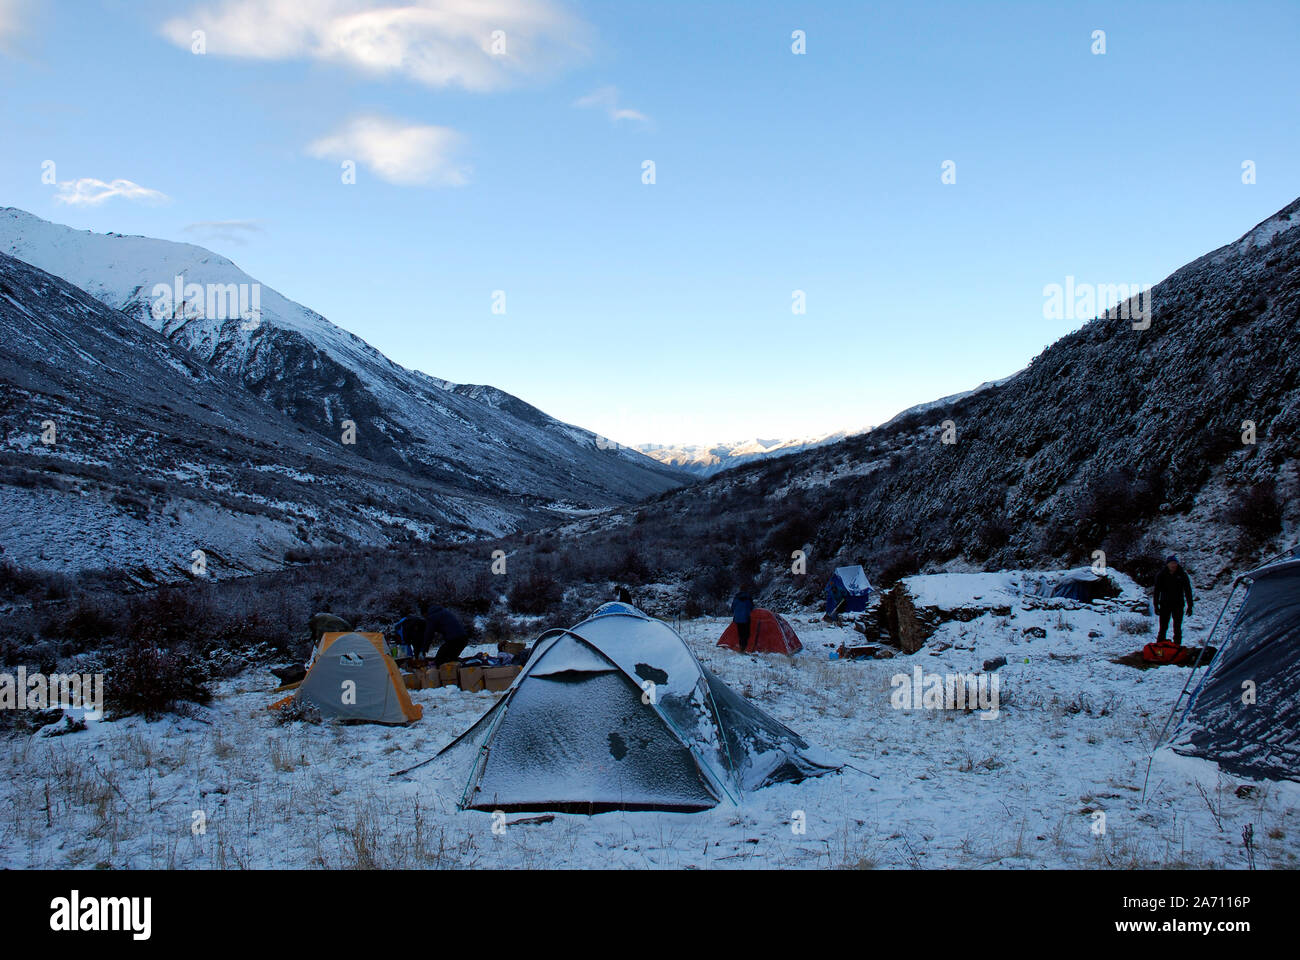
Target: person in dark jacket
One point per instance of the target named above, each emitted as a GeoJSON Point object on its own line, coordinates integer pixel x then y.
{"type": "Point", "coordinates": [411, 631]}
{"type": "Point", "coordinates": [442, 624]}
{"type": "Point", "coordinates": [742, 605]}
{"type": "Point", "coordinates": [1172, 588]}
{"type": "Point", "coordinates": [622, 596]}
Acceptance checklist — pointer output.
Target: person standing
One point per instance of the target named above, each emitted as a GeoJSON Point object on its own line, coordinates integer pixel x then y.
{"type": "Point", "coordinates": [742, 605]}
{"type": "Point", "coordinates": [1172, 588]}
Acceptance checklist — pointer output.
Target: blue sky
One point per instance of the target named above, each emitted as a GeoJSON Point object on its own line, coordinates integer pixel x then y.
{"type": "Point", "coordinates": [662, 313]}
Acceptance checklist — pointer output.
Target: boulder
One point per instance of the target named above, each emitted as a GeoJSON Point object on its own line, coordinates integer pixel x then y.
{"type": "Point", "coordinates": [917, 606]}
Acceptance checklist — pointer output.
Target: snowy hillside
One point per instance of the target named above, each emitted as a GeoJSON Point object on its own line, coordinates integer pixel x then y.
{"type": "Point", "coordinates": [480, 440]}
{"type": "Point", "coordinates": [120, 449]}
{"type": "Point", "coordinates": [1135, 442]}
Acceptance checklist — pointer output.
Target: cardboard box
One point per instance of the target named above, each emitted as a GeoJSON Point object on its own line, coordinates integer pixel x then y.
{"type": "Point", "coordinates": [449, 674]}
{"type": "Point", "coordinates": [499, 678]}
{"type": "Point", "coordinates": [470, 679]}
{"type": "Point", "coordinates": [413, 681]}
{"type": "Point", "coordinates": [846, 652]}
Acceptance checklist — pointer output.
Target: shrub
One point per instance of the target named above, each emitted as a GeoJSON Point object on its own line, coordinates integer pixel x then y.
{"type": "Point", "coordinates": [894, 563]}
{"type": "Point", "coordinates": [536, 593]}
{"type": "Point", "coordinates": [710, 586]}
{"type": "Point", "coordinates": [145, 679]}
{"type": "Point", "coordinates": [500, 627]}
{"type": "Point", "coordinates": [749, 562]}
{"type": "Point", "coordinates": [88, 620]}
{"type": "Point", "coordinates": [168, 617]}
{"type": "Point", "coordinates": [631, 568]}
{"type": "Point", "coordinates": [793, 534]}
{"type": "Point", "coordinates": [1257, 512]}
{"type": "Point", "coordinates": [1117, 497]}
{"type": "Point", "coordinates": [994, 533]}
{"type": "Point", "coordinates": [297, 711]}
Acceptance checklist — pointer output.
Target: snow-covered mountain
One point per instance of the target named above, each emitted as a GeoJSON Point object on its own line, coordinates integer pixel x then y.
{"type": "Point", "coordinates": [476, 439]}
{"type": "Point", "coordinates": [705, 460]}
{"type": "Point", "coordinates": [120, 449]}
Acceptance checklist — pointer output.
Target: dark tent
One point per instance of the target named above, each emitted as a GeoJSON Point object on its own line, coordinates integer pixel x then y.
{"type": "Point", "coordinates": [1245, 714]}
{"type": "Point", "coordinates": [1086, 586]}
{"type": "Point", "coordinates": [616, 713]}
{"type": "Point", "coordinates": [848, 591]}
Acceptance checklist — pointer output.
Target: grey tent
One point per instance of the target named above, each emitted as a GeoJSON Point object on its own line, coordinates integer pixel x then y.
{"type": "Point", "coordinates": [1085, 585]}
{"type": "Point", "coordinates": [617, 713]}
{"type": "Point", "coordinates": [1245, 714]}
{"type": "Point", "coordinates": [352, 678]}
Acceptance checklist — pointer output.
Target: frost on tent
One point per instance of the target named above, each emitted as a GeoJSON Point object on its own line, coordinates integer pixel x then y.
{"type": "Point", "coordinates": [1255, 735]}
{"type": "Point", "coordinates": [576, 733]}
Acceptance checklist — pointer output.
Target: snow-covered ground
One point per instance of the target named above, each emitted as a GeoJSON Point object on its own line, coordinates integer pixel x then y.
{"type": "Point", "coordinates": [930, 789]}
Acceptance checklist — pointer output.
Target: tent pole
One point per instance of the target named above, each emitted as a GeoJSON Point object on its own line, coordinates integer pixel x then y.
{"type": "Point", "coordinates": [1195, 666]}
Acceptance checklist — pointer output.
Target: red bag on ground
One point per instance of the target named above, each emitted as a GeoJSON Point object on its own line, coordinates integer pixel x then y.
{"type": "Point", "coordinates": [1164, 651]}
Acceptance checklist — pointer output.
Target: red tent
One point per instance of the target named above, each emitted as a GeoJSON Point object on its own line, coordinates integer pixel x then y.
{"type": "Point", "coordinates": [768, 633]}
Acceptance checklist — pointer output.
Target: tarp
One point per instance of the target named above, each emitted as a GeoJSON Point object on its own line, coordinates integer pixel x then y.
{"type": "Point", "coordinates": [768, 633]}
{"type": "Point", "coordinates": [1086, 585]}
{"type": "Point", "coordinates": [617, 713]}
{"type": "Point", "coordinates": [1245, 714]}
{"type": "Point", "coordinates": [848, 590]}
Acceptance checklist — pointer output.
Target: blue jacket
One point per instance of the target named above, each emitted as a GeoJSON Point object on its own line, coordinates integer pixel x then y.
{"type": "Point", "coordinates": [742, 605]}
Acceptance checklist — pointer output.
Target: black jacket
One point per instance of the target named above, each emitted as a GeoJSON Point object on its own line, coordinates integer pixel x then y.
{"type": "Point", "coordinates": [1171, 589]}
{"type": "Point", "coordinates": [442, 624]}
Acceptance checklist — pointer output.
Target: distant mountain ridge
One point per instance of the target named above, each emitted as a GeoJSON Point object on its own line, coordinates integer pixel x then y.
{"type": "Point", "coordinates": [705, 460]}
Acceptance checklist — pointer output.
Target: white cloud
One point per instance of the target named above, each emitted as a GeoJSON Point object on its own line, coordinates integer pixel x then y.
{"type": "Point", "coordinates": [435, 42]}
{"type": "Point", "coordinates": [403, 153]}
{"type": "Point", "coordinates": [11, 20]}
{"type": "Point", "coordinates": [227, 231]}
{"type": "Point", "coordinates": [89, 192]}
{"type": "Point", "coordinates": [606, 99]}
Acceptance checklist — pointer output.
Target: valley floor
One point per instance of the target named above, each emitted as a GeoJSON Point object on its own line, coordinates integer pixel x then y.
{"type": "Point", "coordinates": [931, 789]}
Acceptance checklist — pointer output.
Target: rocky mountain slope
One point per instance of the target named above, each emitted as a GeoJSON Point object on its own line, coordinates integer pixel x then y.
{"type": "Point", "coordinates": [1135, 442]}
{"type": "Point", "coordinates": [476, 439]}
{"type": "Point", "coordinates": [121, 449]}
